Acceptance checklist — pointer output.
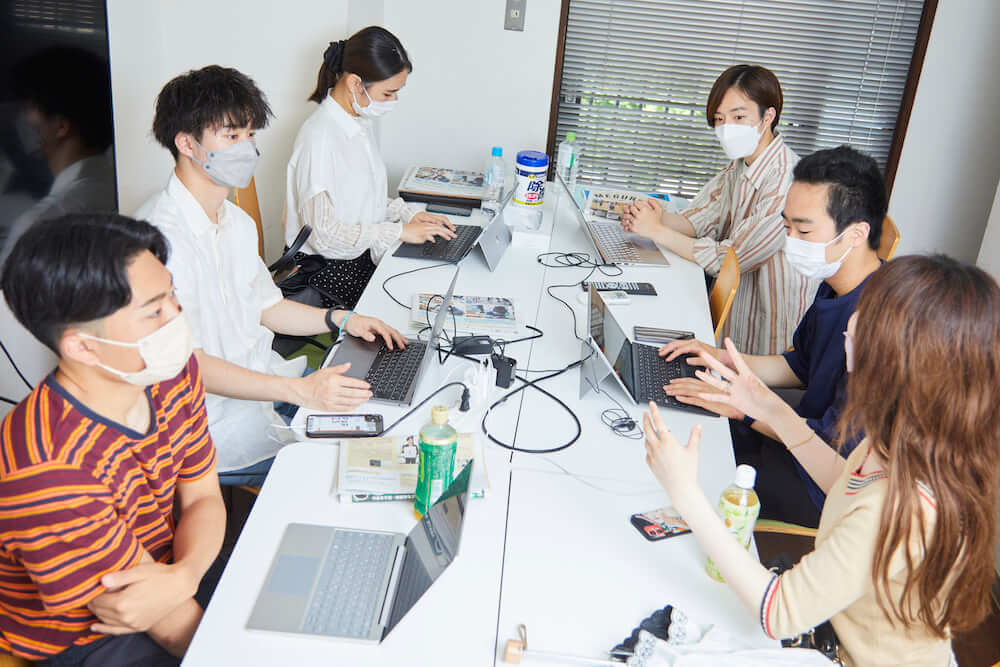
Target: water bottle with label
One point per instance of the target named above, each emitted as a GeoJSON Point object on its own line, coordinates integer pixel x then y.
{"type": "Point", "coordinates": [493, 182]}
{"type": "Point", "coordinates": [568, 160]}
{"type": "Point", "coordinates": [739, 507]}
{"type": "Point", "coordinates": [436, 460]}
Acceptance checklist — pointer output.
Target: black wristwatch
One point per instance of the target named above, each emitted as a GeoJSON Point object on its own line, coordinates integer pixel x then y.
{"type": "Point", "coordinates": [329, 320]}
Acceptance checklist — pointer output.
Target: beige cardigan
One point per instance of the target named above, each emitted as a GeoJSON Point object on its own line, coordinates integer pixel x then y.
{"type": "Point", "coordinates": [835, 582]}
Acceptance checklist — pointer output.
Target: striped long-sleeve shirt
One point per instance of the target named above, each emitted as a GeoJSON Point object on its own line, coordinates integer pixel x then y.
{"type": "Point", "coordinates": [740, 208]}
{"type": "Point", "coordinates": [82, 496]}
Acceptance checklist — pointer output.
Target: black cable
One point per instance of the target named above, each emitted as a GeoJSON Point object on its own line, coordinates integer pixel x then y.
{"type": "Point", "coordinates": [393, 277]}
{"type": "Point", "coordinates": [618, 419]}
{"type": "Point", "coordinates": [16, 369]}
{"type": "Point", "coordinates": [534, 384]}
{"type": "Point", "coordinates": [7, 400]}
{"type": "Point", "coordinates": [465, 403]}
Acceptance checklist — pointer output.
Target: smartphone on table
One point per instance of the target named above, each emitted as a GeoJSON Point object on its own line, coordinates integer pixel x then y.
{"type": "Point", "coordinates": [343, 426]}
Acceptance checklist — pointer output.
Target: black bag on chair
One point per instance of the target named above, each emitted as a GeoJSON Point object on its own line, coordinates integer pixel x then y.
{"type": "Point", "coordinates": [823, 637]}
{"type": "Point", "coordinates": [298, 286]}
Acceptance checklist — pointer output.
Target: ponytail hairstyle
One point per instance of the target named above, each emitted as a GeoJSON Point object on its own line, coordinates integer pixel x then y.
{"type": "Point", "coordinates": [373, 53]}
{"type": "Point", "coordinates": [924, 389]}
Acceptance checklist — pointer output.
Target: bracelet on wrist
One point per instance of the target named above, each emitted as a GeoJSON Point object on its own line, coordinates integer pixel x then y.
{"type": "Point", "coordinates": [812, 434]}
{"type": "Point", "coordinates": [343, 323]}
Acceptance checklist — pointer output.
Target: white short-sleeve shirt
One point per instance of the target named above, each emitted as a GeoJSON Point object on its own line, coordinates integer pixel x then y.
{"type": "Point", "coordinates": [224, 288]}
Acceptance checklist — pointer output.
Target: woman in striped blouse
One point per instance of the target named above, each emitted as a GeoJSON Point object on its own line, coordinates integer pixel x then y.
{"type": "Point", "coordinates": [740, 208]}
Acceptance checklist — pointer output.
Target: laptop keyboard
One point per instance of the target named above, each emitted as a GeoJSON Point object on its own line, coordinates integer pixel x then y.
{"type": "Point", "coordinates": [393, 371]}
{"type": "Point", "coordinates": [612, 241]}
{"type": "Point", "coordinates": [349, 591]}
{"type": "Point", "coordinates": [653, 372]}
{"type": "Point", "coordinates": [454, 249]}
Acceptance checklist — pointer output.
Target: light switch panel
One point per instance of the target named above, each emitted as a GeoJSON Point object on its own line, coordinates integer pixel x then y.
{"type": "Point", "coordinates": [514, 18]}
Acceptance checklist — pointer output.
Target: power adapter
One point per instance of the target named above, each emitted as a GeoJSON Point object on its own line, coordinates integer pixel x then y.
{"type": "Point", "coordinates": [470, 345]}
{"type": "Point", "coordinates": [505, 369]}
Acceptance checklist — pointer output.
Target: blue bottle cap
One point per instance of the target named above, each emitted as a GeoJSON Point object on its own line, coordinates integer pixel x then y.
{"type": "Point", "coordinates": [497, 151]}
{"type": "Point", "coordinates": [533, 159]}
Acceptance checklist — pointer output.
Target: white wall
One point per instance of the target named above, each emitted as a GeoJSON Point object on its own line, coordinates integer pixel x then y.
{"type": "Point", "coordinates": [278, 44]}
{"type": "Point", "coordinates": [950, 164]}
{"type": "Point", "coordinates": [989, 252]}
{"type": "Point", "coordinates": [474, 85]}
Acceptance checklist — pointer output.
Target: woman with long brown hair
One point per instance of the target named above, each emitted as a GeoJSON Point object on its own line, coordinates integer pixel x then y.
{"type": "Point", "coordinates": [904, 551]}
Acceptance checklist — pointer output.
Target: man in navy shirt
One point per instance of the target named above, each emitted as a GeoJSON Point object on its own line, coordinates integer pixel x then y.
{"type": "Point", "coordinates": [833, 217]}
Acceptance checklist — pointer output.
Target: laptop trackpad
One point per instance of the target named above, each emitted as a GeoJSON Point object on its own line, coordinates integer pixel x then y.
{"type": "Point", "coordinates": [359, 352]}
{"type": "Point", "coordinates": [293, 575]}
{"type": "Point", "coordinates": [639, 241]}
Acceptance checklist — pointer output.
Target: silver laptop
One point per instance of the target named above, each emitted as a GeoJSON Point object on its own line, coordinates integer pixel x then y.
{"type": "Point", "coordinates": [356, 585]}
{"type": "Point", "coordinates": [392, 374]}
{"type": "Point", "coordinates": [495, 238]}
{"type": "Point", "coordinates": [613, 244]}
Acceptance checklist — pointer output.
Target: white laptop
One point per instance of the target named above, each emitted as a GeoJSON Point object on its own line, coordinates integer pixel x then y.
{"type": "Point", "coordinates": [613, 244]}
{"type": "Point", "coordinates": [356, 585]}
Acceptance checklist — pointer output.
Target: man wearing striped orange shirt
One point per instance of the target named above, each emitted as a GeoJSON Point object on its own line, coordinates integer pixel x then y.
{"type": "Point", "coordinates": [100, 460]}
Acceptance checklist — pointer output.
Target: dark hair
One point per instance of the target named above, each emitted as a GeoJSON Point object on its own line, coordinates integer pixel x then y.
{"type": "Point", "coordinates": [756, 82]}
{"type": "Point", "coordinates": [72, 270]}
{"type": "Point", "coordinates": [73, 83]}
{"type": "Point", "coordinates": [917, 316]}
{"type": "Point", "coordinates": [373, 53]}
{"type": "Point", "coordinates": [855, 188]}
{"type": "Point", "coordinates": [208, 98]}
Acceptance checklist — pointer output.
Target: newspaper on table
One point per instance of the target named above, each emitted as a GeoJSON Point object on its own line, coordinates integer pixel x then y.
{"type": "Point", "coordinates": [382, 469]}
{"type": "Point", "coordinates": [443, 182]}
{"type": "Point", "coordinates": [490, 315]}
{"type": "Point", "coordinates": [604, 205]}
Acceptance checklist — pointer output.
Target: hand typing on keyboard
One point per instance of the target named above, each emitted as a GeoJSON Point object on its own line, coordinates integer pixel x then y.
{"type": "Point", "coordinates": [426, 227]}
{"type": "Point", "coordinates": [369, 328]}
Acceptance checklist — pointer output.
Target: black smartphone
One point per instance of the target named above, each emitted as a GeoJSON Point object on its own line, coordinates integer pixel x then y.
{"type": "Point", "coordinates": [659, 524]}
{"type": "Point", "coordinates": [447, 209]}
{"type": "Point", "coordinates": [343, 426]}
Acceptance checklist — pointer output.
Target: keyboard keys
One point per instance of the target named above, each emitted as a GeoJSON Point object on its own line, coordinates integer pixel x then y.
{"type": "Point", "coordinates": [393, 371]}
{"type": "Point", "coordinates": [349, 588]}
{"type": "Point", "coordinates": [614, 244]}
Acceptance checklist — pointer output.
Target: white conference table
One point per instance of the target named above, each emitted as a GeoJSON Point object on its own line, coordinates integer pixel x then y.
{"type": "Point", "coordinates": [550, 545]}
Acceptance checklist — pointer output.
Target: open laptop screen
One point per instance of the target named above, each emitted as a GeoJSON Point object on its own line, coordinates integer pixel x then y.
{"type": "Point", "coordinates": [431, 546]}
{"type": "Point", "coordinates": [611, 340]}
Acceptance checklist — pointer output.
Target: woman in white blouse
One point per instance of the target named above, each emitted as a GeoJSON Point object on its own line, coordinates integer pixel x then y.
{"type": "Point", "coordinates": [336, 180]}
{"type": "Point", "coordinates": [740, 208]}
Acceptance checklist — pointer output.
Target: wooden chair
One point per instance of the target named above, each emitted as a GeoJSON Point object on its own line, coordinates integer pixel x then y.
{"type": "Point", "coordinates": [889, 240]}
{"type": "Point", "coordinates": [720, 300]}
{"type": "Point", "coordinates": [7, 660]}
{"type": "Point", "coordinates": [246, 199]}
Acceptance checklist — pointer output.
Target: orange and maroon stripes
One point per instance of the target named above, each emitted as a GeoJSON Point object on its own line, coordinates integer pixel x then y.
{"type": "Point", "coordinates": [81, 496]}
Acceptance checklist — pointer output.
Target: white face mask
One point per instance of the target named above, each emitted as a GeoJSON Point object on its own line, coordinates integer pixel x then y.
{"type": "Point", "coordinates": [374, 109]}
{"type": "Point", "coordinates": [232, 166]}
{"type": "Point", "coordinates": [165, 351]}
{"type": "Point", "coordinates": [738, 140]}
{"type": "Point", "coordinates": [809, 257]}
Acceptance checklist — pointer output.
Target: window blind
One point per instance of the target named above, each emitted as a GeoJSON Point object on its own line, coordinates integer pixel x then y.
{"type": "Point", "coordinates": [637, 73]}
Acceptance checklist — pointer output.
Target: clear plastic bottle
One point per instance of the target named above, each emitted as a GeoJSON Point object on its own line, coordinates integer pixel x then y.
{"type": "Point", "coordinates": [739, 507]}
{"type": "Point", "coordinates": [436, 459]}
{"type": "Point", "coordinates": [568, 159]}
{"type": "Point", "coordinates": [493, 181]}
